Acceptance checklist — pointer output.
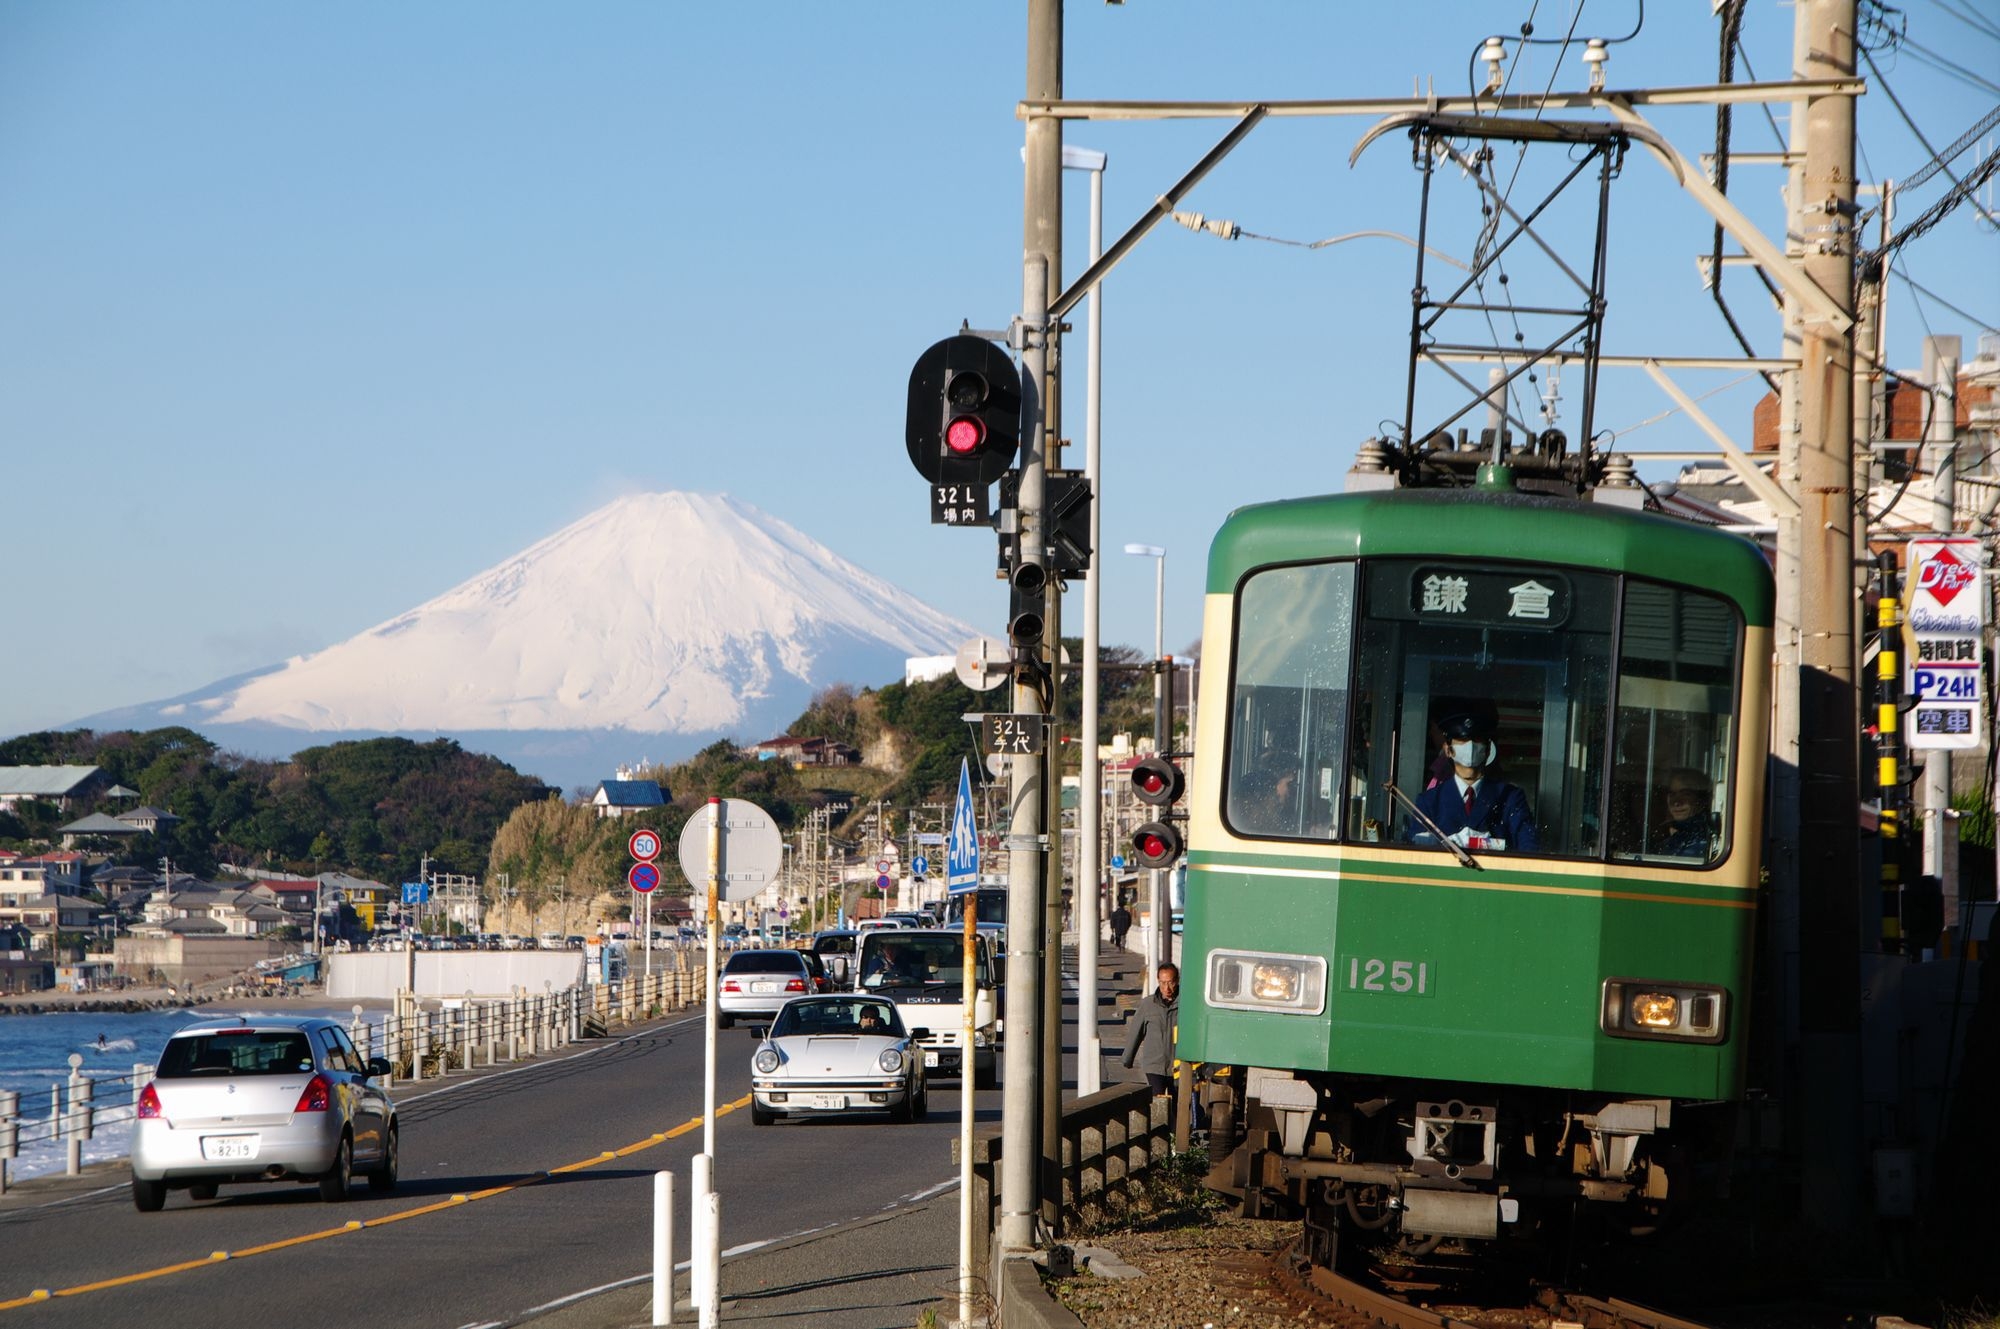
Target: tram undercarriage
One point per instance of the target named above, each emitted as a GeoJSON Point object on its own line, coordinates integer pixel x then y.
{"type": "Point", "coordinates": [1373, 1162]}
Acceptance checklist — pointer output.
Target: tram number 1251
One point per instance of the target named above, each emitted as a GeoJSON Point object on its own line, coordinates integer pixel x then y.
{"type": "Point", "coordinates": [1404, 977]}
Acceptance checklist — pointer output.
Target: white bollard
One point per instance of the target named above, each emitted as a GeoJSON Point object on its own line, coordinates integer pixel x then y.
{"type": "Point", "coordinates": [663, 1248]}
{"type": "Point", "coordinates": [702, 1235]}
{"type": "Point", "coordinates": [711, 1307]}
{"type": "Point", "coordinates": [76, 1123]}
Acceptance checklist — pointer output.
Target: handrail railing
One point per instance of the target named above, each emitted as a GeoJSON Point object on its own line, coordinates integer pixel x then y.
{"type": "Point", "coordinates": [418, 1040]}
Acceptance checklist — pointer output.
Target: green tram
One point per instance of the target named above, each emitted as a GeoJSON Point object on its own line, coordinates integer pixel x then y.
{"type": "Point", "coordinates": [1414, 1039]}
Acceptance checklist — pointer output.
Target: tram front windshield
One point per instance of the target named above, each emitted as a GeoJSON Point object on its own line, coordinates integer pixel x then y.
{"type": "Point", "coordinates": [1609, 703]}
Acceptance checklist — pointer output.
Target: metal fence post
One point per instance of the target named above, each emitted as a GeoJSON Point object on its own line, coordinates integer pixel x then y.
{"type": "Point", "coordinates": [10, 1132]}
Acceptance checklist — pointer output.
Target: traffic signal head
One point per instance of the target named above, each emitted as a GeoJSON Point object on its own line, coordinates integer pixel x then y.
{"type": "Point", "coordinates": [1157, 844]}
{"type": "Point", "coordinates": [1157, 782]}
{"type": "Point", "coordinates": [964, 420]}
{"type": "Point", "coordinates": [1026, 604]}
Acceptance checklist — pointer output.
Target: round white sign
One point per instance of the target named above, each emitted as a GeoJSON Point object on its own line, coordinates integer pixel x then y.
{"type": "Point", "coordinates": [752, 849]}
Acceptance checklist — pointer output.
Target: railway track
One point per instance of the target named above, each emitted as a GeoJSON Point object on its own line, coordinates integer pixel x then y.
{"type": "Point", "coordinates": [1344, 1301]}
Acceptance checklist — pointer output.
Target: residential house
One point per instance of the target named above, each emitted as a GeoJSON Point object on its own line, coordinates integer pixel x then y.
{"type": "Point", "coordinates": [212, 909]}
{"type": "Point", "coordinates": [61, 871]}
{"type": "Point", "coordinates": [801, 752]}
{"type": "Point", "coordinates": [619, 798]}
{"type": "Point", "coordinates": [97, 823]}
{"type": "Point", "coordinates": [152, 820]}
{"type": "Point", "coordinates": [61, 785]}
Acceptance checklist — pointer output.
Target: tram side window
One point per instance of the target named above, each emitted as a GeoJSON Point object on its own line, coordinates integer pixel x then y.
{"type": "Point", "coordinates": [1675, 727]}
{"type": "Point", "coordinates": [1288, 710]}
{"type": "Point", "coordinates": [1521, 653]}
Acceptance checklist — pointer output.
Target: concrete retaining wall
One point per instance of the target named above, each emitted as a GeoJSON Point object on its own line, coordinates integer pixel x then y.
{"type": "Point", "coordinates": [185, 961]}
{"type": "Point", "coordinates": [357, 974]}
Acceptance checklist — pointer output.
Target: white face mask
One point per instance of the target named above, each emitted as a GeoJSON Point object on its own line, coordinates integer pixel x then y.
{"type": "Point", "coordinates": [1473, 754]}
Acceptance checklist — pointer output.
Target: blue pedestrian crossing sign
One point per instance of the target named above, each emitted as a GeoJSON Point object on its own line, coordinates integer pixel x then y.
{"type": "Point", "coordinates": [961, 864]}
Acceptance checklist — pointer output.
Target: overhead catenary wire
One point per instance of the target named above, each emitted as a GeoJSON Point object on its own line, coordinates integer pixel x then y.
{"type": "Point", "coordinates": [1940, 159]}
{"type": "Point", "coordinates": [1911, 124]}
{"type": "Point", "coordinates": [1974, 21]}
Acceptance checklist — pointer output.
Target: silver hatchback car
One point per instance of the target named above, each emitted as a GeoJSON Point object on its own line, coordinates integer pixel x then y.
{"type": "Point", "coordinates": [264, 1098]}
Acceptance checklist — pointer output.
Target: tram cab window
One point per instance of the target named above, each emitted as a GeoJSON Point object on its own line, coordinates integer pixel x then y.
{"type": "Point", "coordinates": [1526, 648]}
{"type": "Point", "coordinates": [1288, 709]}
{"type": "Point", "coordinates": [1676, 727]}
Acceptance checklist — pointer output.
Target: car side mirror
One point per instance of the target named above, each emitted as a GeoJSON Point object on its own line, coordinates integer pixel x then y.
{"type": "Point", "coordinates": [920, 1033]}
{"type": "Point", "coordinates": [378, 1066]}
{"type": "Point", "coordinates": [760, 1032]}
{"type": "Point", "coordinates": [999, 972]}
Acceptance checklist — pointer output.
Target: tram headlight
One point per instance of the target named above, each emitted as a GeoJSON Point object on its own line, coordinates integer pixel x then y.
{"type": "Point", "coordinates": [1679, 1012]}
{"type": "Point", "coordinates": [1261, 981]}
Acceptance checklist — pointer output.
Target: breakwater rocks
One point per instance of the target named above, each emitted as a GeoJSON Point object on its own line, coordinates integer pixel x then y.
{"type": "Point", "coordinates": [86, 1002]}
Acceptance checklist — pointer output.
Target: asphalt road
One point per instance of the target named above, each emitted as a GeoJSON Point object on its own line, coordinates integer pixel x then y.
{"type": "Point", "coordinates": [519, 1188]}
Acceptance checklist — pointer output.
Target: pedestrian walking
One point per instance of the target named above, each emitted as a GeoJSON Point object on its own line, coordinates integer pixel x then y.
{"type": "Point", "coordinates": [1121, 923]}
{"type": "Point", "coordinates": [1155, 1026]}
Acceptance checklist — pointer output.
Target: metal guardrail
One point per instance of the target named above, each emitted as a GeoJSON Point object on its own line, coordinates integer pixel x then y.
{"type": "Point", "coordinates": [417, 1041]}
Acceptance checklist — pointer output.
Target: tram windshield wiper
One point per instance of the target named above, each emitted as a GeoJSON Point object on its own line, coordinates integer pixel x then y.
{"type": "Point", "coordinates": [1457, 850]}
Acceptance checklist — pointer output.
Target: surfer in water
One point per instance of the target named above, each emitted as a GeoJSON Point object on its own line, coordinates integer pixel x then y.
{"type": "Point", "coordinates": [101, 1044]}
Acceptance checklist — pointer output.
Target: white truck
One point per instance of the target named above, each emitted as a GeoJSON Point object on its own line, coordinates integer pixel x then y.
{"type": "Point", "coordinates": [922, 970]}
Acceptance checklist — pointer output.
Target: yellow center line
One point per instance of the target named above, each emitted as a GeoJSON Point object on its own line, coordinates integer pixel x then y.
{"type": "Point", "coordinates": [359, 1225]}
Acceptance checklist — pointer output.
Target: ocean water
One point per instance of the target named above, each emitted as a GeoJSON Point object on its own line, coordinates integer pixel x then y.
{"type": "Point", "coordinates": [34, 1057]}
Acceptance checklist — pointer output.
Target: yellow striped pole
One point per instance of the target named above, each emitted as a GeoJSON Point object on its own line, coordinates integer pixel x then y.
{"type": "Point", "coordinates": [1889, 751]}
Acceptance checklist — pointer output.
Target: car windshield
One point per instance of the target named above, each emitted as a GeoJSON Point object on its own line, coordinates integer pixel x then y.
{"type": "Point", "coordinates": [834, 946]}
{"type": "Point", "coordinates": [906, 958]}
{"type": "Point", "coordinates": [837, 1017]}
{"type": "Point", "coordinates": [236, 1052]}
{"type": "Point", "coordinates": [765, 962]}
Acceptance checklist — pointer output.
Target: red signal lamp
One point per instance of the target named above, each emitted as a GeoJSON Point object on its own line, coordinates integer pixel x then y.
{"type": "Point", "coordinates": [964, 435]}
{"type": "Point", "coordinates": [1156, 845]}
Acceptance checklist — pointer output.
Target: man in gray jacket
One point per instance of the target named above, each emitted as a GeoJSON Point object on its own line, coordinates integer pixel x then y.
{"type": "Point", "coordinates": [1151, 1042]}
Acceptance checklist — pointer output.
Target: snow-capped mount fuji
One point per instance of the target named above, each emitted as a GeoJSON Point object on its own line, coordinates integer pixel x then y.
{"type": "Point", "coordinates": [649, 627]}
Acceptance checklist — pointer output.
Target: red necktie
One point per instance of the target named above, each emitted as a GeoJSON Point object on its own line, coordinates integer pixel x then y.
{"type": "Point", "coordinates": [1468, 802]}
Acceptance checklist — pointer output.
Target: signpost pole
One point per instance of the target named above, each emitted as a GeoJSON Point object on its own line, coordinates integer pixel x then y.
{"type": "Point", "coordinates": [961, 877]}
{"type": "Point", "coordinates": [714, 926]}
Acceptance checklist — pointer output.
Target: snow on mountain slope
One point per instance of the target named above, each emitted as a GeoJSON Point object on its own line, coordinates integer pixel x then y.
{"type": "Point", "coordinates": [667, 613]}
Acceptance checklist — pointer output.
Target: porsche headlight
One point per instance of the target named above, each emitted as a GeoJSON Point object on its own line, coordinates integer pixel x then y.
{"type": "Point", "coordinates": [1679, 1012]}
{"type": "Point", "coordinates": [891, 1061]}
{"type": "Point", "coordinates": [766, 1062]}
{"type": "Point", "coordinates": [1261, 981]}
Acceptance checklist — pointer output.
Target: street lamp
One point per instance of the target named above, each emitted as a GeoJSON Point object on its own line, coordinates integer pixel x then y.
{"type": "Point", "coordinates": [1156, 880]}
{"type": "Point", "coordinates": [1090, 829]}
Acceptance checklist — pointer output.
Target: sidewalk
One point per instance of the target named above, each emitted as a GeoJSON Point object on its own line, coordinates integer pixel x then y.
{"type": "Point", "coordinates": [874, 1273]}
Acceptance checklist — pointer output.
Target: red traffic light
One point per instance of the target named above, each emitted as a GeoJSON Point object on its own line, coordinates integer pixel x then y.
{"type": "Point", "coordinates": [964, 435]}
{"type": "Point", "coordinates": [1156, 845]}
{"type": "Point", "coordinates": [1157, 781]}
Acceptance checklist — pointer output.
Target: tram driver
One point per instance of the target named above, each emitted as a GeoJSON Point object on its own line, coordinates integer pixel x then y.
{"type": "Point", "coordinates": [1473, 806]}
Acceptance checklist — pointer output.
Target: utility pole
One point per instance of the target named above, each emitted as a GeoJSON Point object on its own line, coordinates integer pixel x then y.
{"type": "Point", "coordinates": [1828, 709]}
{"type": "Point", "coordinates": [1941, 356]}
{"type": "Point", "coordinates": [1021, 1135]}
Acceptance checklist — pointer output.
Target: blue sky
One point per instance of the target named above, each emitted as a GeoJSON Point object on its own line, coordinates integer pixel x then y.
{"type": "Point", "coordinates": [310, 312]}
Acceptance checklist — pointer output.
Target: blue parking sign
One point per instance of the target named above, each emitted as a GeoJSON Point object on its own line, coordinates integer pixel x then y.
{"type": "Point", "coordinates": [961, 864]}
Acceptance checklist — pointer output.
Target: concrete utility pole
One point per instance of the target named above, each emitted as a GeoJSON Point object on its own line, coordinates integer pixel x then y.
{"type": "Point", "coordinates": [1828, 714]}
{"type": "Point", "coordinates": [1041, 246]}
{"type": "Point", "coordinates": [1941, 357]}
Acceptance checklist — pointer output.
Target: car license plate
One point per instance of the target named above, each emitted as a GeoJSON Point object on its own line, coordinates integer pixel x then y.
{"type": "Point", "coordinates": [222, 1148]}
{"type": "Point", "coordinates": [763, 987]}
{"type": "Point", "coordinates": [930, 1058]}
{"type": "Point", "coordinates": [833, 1101]}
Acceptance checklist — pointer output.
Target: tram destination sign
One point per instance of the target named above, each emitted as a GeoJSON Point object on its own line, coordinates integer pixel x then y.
{"type": "Point", "coordinates": [1527, 598]}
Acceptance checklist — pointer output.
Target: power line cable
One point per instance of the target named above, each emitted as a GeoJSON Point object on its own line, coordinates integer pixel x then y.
{"type": "Point", "coordinates": [1938, 160]}
{"type": "Point", "coordinates": [1911, 44]}
{"type": "Point", "coordinates": [1897, 102]}
{"type": "Point", "coordinates": [1984, 325]}
{"type": "Point", "coordinates": [1973, 21]}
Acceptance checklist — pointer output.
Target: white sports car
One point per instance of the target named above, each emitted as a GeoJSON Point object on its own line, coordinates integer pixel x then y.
{"type": "Point", "coordinates": [848, 1053]}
